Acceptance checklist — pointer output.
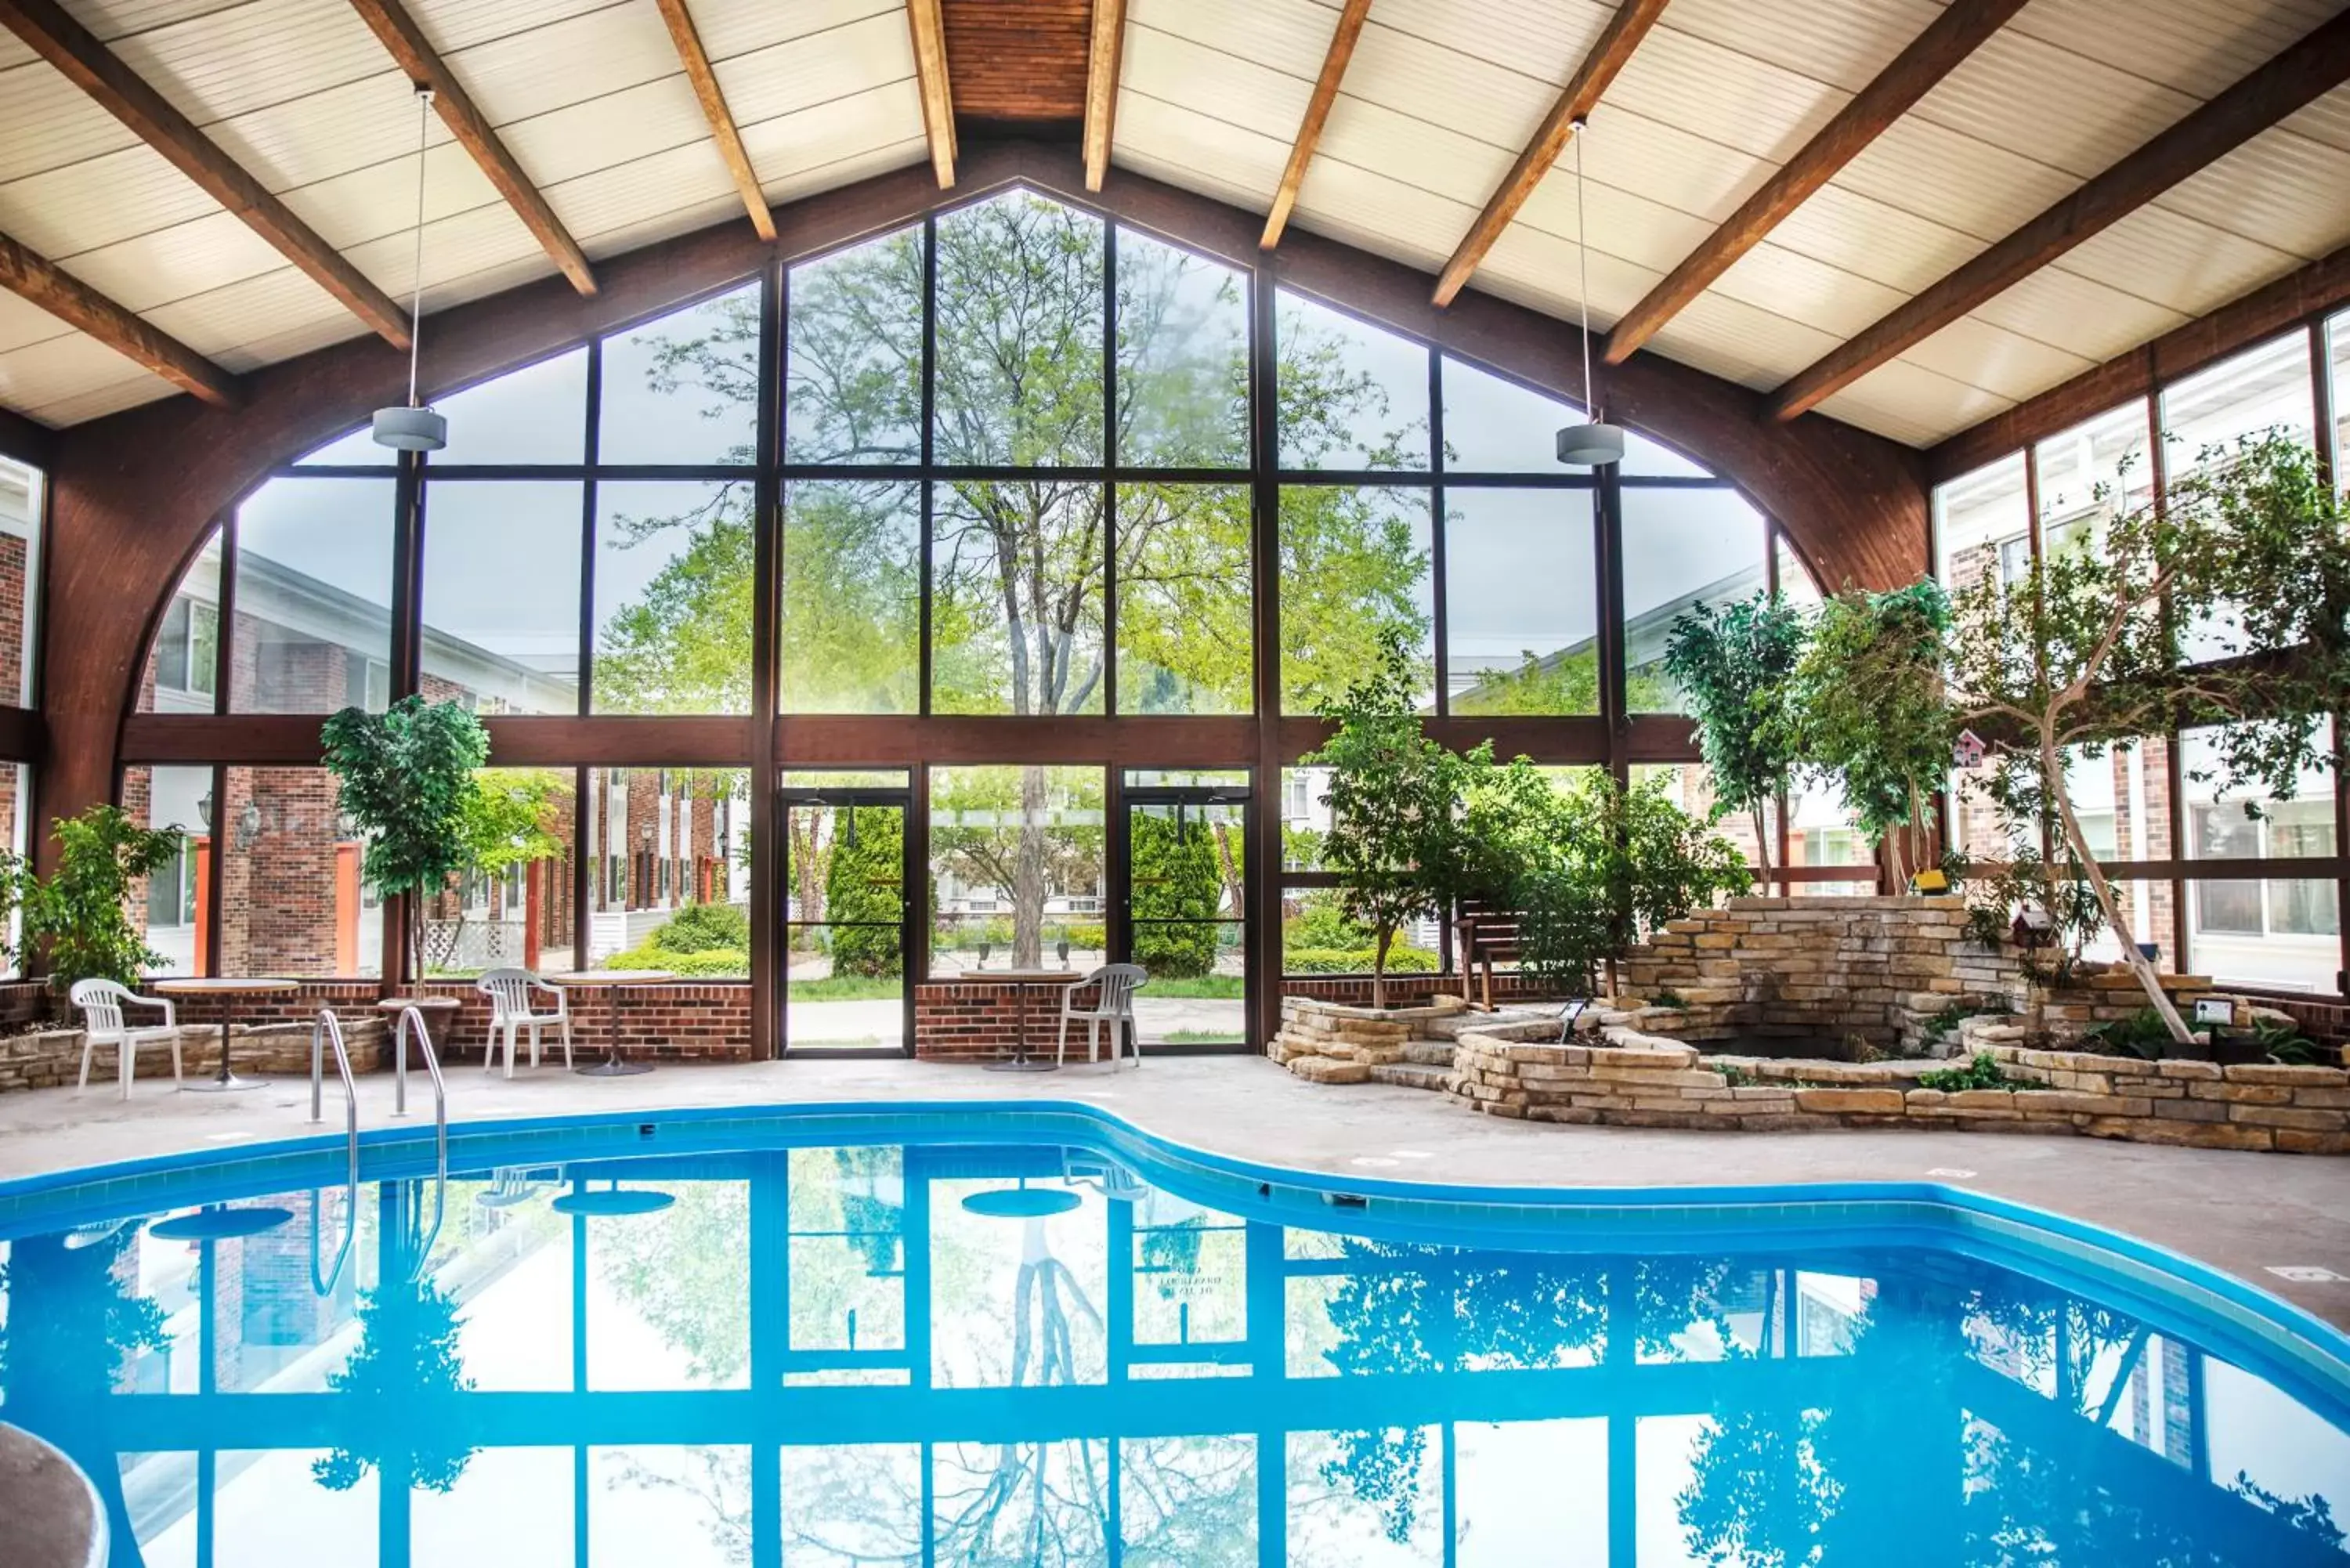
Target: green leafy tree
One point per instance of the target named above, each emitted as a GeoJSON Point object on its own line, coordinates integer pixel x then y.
{"type": "Point", "coordinates": [505, 824]}
{"type": "Point", "coordinates": [1177, 886]}
{"type": "Point", "coordinates": [79, 915]}
{"type": "Point", "coordinates": [1733, 666]}
{"type": "Point", "coordinates": [864, 881]}
{"type": "Point", "coordinates": [407, 781]}
{"type": "Point", "coordinates": [1394, 840]}
{"type": "Point", "coordinates": [1869, 712]}
{"type": "Point", "coordinates": [2251, 550]}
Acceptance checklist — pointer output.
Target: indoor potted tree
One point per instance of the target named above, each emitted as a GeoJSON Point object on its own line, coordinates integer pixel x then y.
{"type": "Point", "coordinates": [406, 782]}
{"type": "Point", "coordinates": [79, 917]}
{"type": "Point", "coordinates": [2089, 646]}
{"type": "Point", "coordinates": [1733, 666]}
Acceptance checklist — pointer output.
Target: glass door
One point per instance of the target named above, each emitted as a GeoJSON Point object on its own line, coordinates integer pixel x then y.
{"type": "Point", "coordinates": [845, 908]}
{"type": "Point", "coordinates": [1185, 909]}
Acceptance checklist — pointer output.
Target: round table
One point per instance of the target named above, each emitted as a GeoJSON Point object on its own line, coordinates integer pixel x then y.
{"type": "Point", "coordinates": [392, 1007]}
{"type": "Point", "coordinates": [1020, 979]}
{"type": "Point", "coordinates": [612, 981]}
{"type": "Point", "coordinates": [228, 990]}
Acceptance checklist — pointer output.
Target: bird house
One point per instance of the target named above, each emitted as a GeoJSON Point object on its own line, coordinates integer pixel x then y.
{"type": "Point", "coordinates": [1968, 750]}
{"type": "Point", "coordinates": [2033, 928]}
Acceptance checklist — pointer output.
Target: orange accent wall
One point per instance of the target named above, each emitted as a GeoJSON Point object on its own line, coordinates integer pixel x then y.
{"type": "Point", "coordinates": [347, 908]}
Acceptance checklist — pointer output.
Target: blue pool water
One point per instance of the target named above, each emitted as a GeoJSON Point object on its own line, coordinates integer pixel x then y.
{"type": "Point", "coordinates": [1035, 1337]}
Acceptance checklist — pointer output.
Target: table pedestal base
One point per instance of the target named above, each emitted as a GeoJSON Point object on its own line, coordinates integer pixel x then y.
{"type": "Point", "coordinates": [222, 1085]}
{"type": "Point", "coordinates": [1021, 1064]}
{"type": "Point", "coordinates": [612, 1066]}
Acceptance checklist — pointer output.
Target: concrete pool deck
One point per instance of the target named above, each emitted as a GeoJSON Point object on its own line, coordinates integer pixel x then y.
{"type": "Point", "coordinates": [2245, 1213]}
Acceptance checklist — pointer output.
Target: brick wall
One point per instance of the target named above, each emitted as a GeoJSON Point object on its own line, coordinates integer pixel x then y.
{"type": "Point", "coordinates": [977, 1020]}
{"type": "Point", "coordinates": [1356, 990]}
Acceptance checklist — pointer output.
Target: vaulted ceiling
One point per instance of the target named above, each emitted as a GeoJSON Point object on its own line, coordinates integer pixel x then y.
{"type": "Point", "coordinates": [1904, 215]}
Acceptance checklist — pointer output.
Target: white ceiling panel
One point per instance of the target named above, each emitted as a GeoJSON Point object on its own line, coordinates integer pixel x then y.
{"type": "Point", "coordinates": [1771, 277]}
{"type": "Point", "coordinates": [317, 137]}
{"type": "Point", "coordinates": [848, 170]}
{"type": "Point", "coordinates": [1175, 69]}
{"type": "Point", "coordinates": [1431, 157]}
{"type": "Point", "coordinates": [244, 58]}
{"type": "Point", "coordinates": [791, 146]}
{"type": "Point", "coordinates": [450, 25]}
{"type": "Point", "coordinates": [1973, 351]}
{"type": "Point", "coordinates": [1952, 179]}
{"type": "Point", "coordinates": [2078, 315]}
{"type": "Point", "coordinates": [599, 133]}
{"type": "Point", "coordinates": [1843, 43]}
{"type": "Point", "coordinates": [2198, 46]}
{"type": "Point", "coordinates": [46, 123]}
{"type": "Point", "coordinates": [1475, 97]}
{"type": "Point", "coordinates": [1733, 339]}
{"type": "Point", "coordinates": [2175, 261]}
{"type": "Point", "coordinates": [1734, 99]}
{"type": "Point", "coordinates": [2283, 187]}
{"type": "Point", "coordinates": [258, 319]}
{"type": "Point", "coordinates": [1907, 402]}
{"type": "Point", "coordinates": [1868, 239]}
{"type": "Point", "coordinates": [804, 72]}
{"type": "Point", "coordinates": [81, 206]}
{"type": "Point", "coordinates": [2070, 111]}
{"type": "Point", "coordinates": [23, 322]}
{"type": "Point", "coordinates": [40, 375]}
{"type": "Point", "coordinates": [1622, 225]}
{"type": "Point", "coordinates": [1669, 167]}
{"type": "Point", "coordinates": [581, 57]}
{"type": "Point", "coordinates": [731, 27]}
{"type": "Point", "coordinates": [171, 263]}
{"type": "Point", "coordinates": [641, 190]}
{"type": "Point", "coordinates": [1288, 35]}
{"type": "Point", "coordinates": [1381, 215]}
{"type": "Point", "coordinates": [454, 247]}
{"type": "Point", "coordinates": [1216, 157]}
{"type": "Point", "coordinates": [381, 199]}
{"type": "Point", "coordinates": [110, 398]}
{"type": "Point", "coordinates": [113, 19]}
{"type": "Point", "coordinates": [1539, 270]}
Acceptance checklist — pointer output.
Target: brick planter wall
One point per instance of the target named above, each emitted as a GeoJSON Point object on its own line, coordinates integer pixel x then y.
{"type": "Point", "coordinates": [978, 1021]}
{"type": "Point", "coordinates": [1354, 989]}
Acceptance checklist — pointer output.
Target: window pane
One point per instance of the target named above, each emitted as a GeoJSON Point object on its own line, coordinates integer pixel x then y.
{"type": "Point", "coordinates": [1796, 581]}
{"type": "Point", "coordinates": [658, 841]}
{"type": "Point", "coordinates": [1681, 547]}
{"type": "Point", "coordinates": [1182, 358]}
{"type": "Point", "coordinates": [1689, 786]}
{"type": "Point", "coordinates": [1304, 818]}
{"type": "Point", "coordinates": [1654, 460]}
{"type": "Point", "coordinates": [291, 898]}
{"type": "Point", "coordinates": [1352, 395]}
{"type": "Point", "coordinates": [501, 597]}
{"type": "Point", "coordinates": [170, 914]}
{"type": "Point", "coordinates": [2279, 931]}
{"type": "Point", "coordinates": [851, 640]}
{"type": "Point", "coordinates": [2264, 388]}
{"type": "Point", "coordinates": [854, 382]}
{"type": "Point", "coordinates": [1977, 518]}
{"type": "Point", "coordinates": [673, 597]}
{"type": "Point", "coordinates": [684, 389]}
{"type": "Point", "coordinates": [536, 414]}
{"type": "Point", "coordinates": [1019, 359]}
{"type": "Point", "coordinates": [1355, 563]}
{"type": "Point", "coordinates": [184, 662]}
{"type": "Point", "coordinates": [1493, 426]}
{"type": "Point", "coordinates": [2092, 473]}
{"type": "Point", "coordinates": [512, 906]}
{"type": "Point", "coordinates": [1016, 866]}
{"type": "Point", "coordinates": [1184, 632]}
{"type": "Point", "coordinates": [1521, 602]}
{"type": "Point", "coordinates": [313, 596]}
{"type": "Point", "coordinates": [22, 490]}
{"type": "Point", "coordinates": [2337, 337]}
{"type": "Point", "coordinates": [1016, 611]}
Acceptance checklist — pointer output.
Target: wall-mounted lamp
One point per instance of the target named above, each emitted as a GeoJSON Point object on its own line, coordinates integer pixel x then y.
{"type": "Point", "coordinates": [248, 826]}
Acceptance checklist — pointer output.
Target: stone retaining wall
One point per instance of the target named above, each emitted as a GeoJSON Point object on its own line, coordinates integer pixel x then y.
{"type": "Point", "coordinates": [51, 1058]}
{"type": "Point", "coordinates": [1617, 1074]}
{"type": "Point", "coordinates": [1333, 1043]}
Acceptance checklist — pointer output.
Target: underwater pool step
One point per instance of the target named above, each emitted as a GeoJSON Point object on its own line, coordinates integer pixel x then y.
{"type": "Point", "coordinates": [1429, 1053]}
{"type": "Point", "coordinates": [1412, 1075]}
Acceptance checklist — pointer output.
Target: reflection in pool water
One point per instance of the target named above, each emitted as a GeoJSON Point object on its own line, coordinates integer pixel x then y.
{"type": "Point", "coordinates": [831, 1356]}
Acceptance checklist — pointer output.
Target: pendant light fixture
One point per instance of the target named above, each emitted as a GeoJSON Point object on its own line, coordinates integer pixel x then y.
{"type": "Point", "coordinates": [415, 428]}
{"type": "Point", "coordinates": [1598, 443]}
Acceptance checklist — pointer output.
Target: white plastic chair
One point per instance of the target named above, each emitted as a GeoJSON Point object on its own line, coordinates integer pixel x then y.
{"type": "Point", "coordinates": [509, 990]}
{"type": "Point", "coordinates": [1114, 1006]}
{"type": "Point", "coordinates": [101, 1002]}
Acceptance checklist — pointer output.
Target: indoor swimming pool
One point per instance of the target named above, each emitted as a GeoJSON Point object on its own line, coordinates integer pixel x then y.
{"type": "Point", "coordinates": [1038, 1337]}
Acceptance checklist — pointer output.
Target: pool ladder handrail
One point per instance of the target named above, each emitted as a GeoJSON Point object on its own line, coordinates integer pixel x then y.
{"type": "Point", "coordinates": [328, 1027]}
{"type": "Point", "coordinates": [412, 1019]}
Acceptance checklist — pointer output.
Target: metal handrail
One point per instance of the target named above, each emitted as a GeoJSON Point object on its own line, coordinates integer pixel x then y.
{"type": "Point", "coordinates": [413, 1018]}
{"type": "Point", "coordinates": [328, 1027]}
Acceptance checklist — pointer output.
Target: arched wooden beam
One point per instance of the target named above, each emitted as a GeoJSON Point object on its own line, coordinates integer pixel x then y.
{"type": "Point", "coordinates": [136, 490]}
{"type": "Point", "coordinates": [70, 300]}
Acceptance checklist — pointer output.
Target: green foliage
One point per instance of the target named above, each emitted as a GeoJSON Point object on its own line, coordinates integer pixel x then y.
{"type": "Point", "coordinates": [1394, 839]}
{"type": "Point", "coordinates": [1865, 708]}
{"type": "Point", "coordinates": [1982, 1073]}
{"type": "Point", "coordinates": [1356, 960]}
{"type": "Point", "coordinates": [503, 819]}
{"type": "Point", "coordinates": [703, 928]}
{"type": "Point", "coordinates": [406, 779]}
{"type": "Point", "coordinates": [1670, 998]}
{"type": "Point", "coordinates": [705, 963]}
{"type": "Point", "coordinates": [2249, 551]}
{"type": "Point", "coordinates": [864, 881]}
{"type": "Point", "coordinates": [2281, 1041]}
{"type": "Point", "coordinates": [1176, 879]}
{"type": "Point", "coordinates": [1321, 922]}
{"type": "Point", "coordinates": [2060, 890]}
{"type": "Point", "coordinates": [2144, 1034]}
{"type": "Point", "coordinates": [1610, 865]}
{"type": "Point", "coordinates": [1735, 668]}
{"type": "Point", "coordinates": [80, 914]}
{"type": "Point", "coordinates": [1939, 1027]}
{"type": "Point", "coordinates": [407, 1357]}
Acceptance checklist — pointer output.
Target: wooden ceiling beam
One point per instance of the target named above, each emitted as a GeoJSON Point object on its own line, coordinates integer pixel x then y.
{"type": "Point", "coordinates": [1317, 113]}
{"type": "Point", "coordinates": [1610, 54]}
{"type": "Point", "coordinates": [930, 32]}
{"type": "Point", "coordinates": [1103, 58]}
{"type": "Point", "coordinates": [1948, 40]}
{"type": "Point", "coordinates": [397, 31]}
{"type": "Point", "coordinates": [74, 302]}
{"type": "Point", "coordinates": [123, 93]}
{"type": "Point", "coordinates": [706, 91]}
{"type": "Point", "coordinates": [2302, 74]}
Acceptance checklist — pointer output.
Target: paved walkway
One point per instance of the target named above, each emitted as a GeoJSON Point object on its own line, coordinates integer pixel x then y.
{"type": "Point", "coordinates": [2243, 1212]}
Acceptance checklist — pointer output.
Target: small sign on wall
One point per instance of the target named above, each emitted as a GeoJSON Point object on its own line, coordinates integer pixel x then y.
{"type": "Point", "coordinates": [2215, 1010]}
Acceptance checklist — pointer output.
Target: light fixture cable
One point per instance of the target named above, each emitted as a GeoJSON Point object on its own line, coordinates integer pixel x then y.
{"type": "Point", "coordinates": [1583, 270]}
{"type": "Point", "coordinates": [416, 279]}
